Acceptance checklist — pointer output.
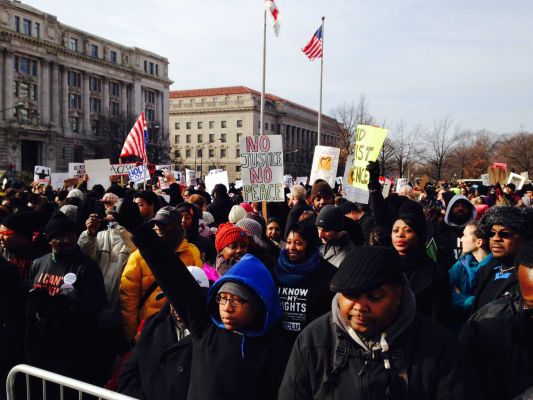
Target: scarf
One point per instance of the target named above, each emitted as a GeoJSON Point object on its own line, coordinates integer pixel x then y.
{"type": "Point", "coordinates": [289, 274]}
{"type": "Point", "coordinates": [222, 266]}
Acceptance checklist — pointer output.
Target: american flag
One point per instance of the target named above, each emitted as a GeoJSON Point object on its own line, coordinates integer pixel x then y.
{"type": "Point", "coordinates": [134, 144]}
{"type": "Point", "coordinates": [271, 6]}
{"type": "Point", "coordinates": [313, 49]}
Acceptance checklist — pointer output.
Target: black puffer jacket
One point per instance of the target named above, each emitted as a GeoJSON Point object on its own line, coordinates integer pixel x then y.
{"type": "Point", "coordinates": [160, 366]}
{"type": "Point", "coordinates": [497, 340]}
{"type": "Point", "coordinates": [220, 208]}
{"type": "Point", "coordinates": [293, 216]}
{"type": "Point", "coordinates": [327, 363]}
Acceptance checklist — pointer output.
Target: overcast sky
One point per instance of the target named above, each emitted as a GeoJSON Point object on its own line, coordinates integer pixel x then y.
{"type": "Point", "coordinates": [414, 60]}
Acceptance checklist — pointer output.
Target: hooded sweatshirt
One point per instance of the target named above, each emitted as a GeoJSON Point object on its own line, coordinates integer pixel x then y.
{"type": "Point", "coordinates": [226, 364]}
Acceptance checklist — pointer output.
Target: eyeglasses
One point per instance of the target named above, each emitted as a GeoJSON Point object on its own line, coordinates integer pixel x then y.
{"type": "Point", "coordinates": [502, 234]}
{"type": "Point", "coordinates": [7, 233]}
{"type": "Point", "coordinates": [233, 301]}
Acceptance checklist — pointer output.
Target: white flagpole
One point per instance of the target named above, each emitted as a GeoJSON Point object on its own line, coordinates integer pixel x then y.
{"type": "Point", "coordinates": [262, 112]}
{"type": "Point", "coordinates": [321, 75]}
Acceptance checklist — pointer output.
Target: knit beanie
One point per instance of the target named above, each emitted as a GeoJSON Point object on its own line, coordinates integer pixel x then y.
{"type": "Point", "coordinates": [330, 218]}
{"type": "Point", "coordinates": [242, 291]}
{"type": "Point", "coordinates": [247, 206]}
{"type": "Point", "coordinates": [507, 216]}
{"type": "Point", "coordinates": [59, 223]}
{"type": "Point", "coordinates": [24, 223]}
{"type": "Point", "coordinates": [75, 193]}
{"type": "Point", "coordinates": [70, 211]}
{"type": "Point", "coordinates": [252, 228]}
{"type": "Point", "coordinates": [236, 214]}
{"type": "Point", "coordinates": [228, 233]}
{"type": "Point", "coordinates": [365, 269]}
{"type": "Point", "coordinates": [321, 189]}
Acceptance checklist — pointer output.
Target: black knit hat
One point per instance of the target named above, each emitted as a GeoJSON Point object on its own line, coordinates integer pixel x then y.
{"type": "Point", "coordinates": [321, 188]}
{"type": "Point", "coordinates": [24, 223]}
{"type": "Point", "coordinates": [59, 223]}
{"type": "Point", "coordinates": [330, 218]}
{"type": "Point", "coordinates": [347, 207]}
{"type": "Point", "coordinates": [365, 269]}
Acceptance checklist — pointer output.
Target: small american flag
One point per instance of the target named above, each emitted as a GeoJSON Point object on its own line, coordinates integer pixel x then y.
{"type": "Point", "coordinates": [313, 49]}
{"type": "Point", "coordinates": [134, 144]}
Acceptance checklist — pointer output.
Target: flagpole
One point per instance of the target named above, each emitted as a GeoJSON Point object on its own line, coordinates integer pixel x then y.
{"type": "Point", "coordinates": [321, 76]}
{"type": "Point", "coordinates": [262, 112]}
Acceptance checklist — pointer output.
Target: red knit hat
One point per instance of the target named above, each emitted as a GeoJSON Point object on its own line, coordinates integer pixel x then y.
{"type": "Point", "coordinates": [228, 233]}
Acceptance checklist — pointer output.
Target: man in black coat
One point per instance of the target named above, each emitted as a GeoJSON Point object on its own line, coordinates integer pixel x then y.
{"type": "Point", "coordinates": [497, 338]}
{"type": "Point", "coordinates": [221, 204]}
{"type": "Point", "coordinates": [373, 344]}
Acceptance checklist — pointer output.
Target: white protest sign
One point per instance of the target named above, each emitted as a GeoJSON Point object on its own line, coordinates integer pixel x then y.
{"type": "Point", "coordinates": [139, 174]}
{"type": "Point", "coordinates": [325, 163]}
{"type": "Point", "coordinates": [525, 174]}
{"type": "Point", "coordinates": [57, 179]}
{"type": "Point", "coordinates": [301, 180]}
{"type": "Point", "coordinates": [262, 168]}
{"type": "Point", "coordinates": [401, 182]}
{"type": "Point", "coordinates": [338, 180]}
{"type": "Point", "coordinates": [215, 171]}
{"type": "Point", "coordinates": [162, 167]}
{"type": "Point", "coordinates": [238, 183]}
{"type": "Point", "coordinates": [386, 188]}
{"type": "Point", "coordinates": [121, 169]}
{"type": "Point", "coordinates": [98, 172]}
{"type": "Point", "coordinates": [190, 177]}
{"type": "Point", "coordinates": [162, 183]}
{"type": "Point", "coordinates": [177, 175]}
{"type": "Point", "coordinates": [352, 193]}
{"type": "Point", "coordinates": [76, 170]}
{"type": "Point", "coordinates": [287, 180]}
{"type": "Point", "coordinates": [213, 179]}
{"type": "Point", "coordinates": [518, 180]}
{"type": "Point", "coordinates": [485, 180]}
{"type": "Point", "coordinates": [41, 174]}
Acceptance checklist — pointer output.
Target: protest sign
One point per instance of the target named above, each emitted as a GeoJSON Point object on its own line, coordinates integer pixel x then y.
{"type": "Point", "coordinates": [386, 188]}
{"type": "Point", "coordinates": [98, 172]}
{"type": "Point", "coordinates": [301, 180]}
{"type": "Point", "coordinates": [41, 174]}
{"type": "Point", "coordinates": [423, 182]}
{"type": "Point", "coordinates": [238, 183]}
{"type": "Point", "coordinates": [139, 174]}
{"type": "Point", "coordinates": [518, 180]}
{"type": "Point", "coordinates": [57, 179]}
{"type": "Point", "coordinates": [525, 174]}
{"type": "Point", "coordinates": [262, 168]}
{"type": "Point", "coordinates": [287, 180]}
{"type": "Point", "coordinates": [177, 175]}
{"type": "Point", "coordinates": [501, 165]}
{"type": "Point", "coordinates": [401, 182]}
{"type": "Point", "coordinates": [121, 169]}
{"type": "Point", "coordinates": [190, 177]}
{"type": "Point", "coordinates": [76, 170]}
{"type": "Point", "coordinates": [497, 175]}
{"type": "Point", "coordinates": [368, 143]}
{"type": "Point", "coordinates": [70, 183]}
{"type": "Point", "coordinates": [162, 167]}
{"type": "Point", "coordinates": [215, 171]}
{"type": "Point", "coordinates": [352, 193]}
{"type": "Point", "coordinates": [213, 179]}
{"type": "Point", "coordinates": [485, 179]}
{"type": "Point", "coordinates": [338, 180]}
{"type": "Point", "coordinates": [325, 163]}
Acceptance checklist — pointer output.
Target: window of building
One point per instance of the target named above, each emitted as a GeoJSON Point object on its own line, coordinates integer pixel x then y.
{"type": "Point", "coordinates": [177, 154]}
{"type": "Point", "coordinates": [222, 153]}
{"type": "Point", "coordinates": [150, 114]}
{"type": "Point", "coordinates": [114, 108]}
{"type": "Point", "coordinates": [113, 56]}
{"type": "Point", "coordinates": [200, 139]}
{"type": "Point", "coordinates": [187, 154]}
{"type": "Point", "coordinates": [211, 138]}
{"type": "Point", "coordinates": [188, 139]}
{"type": "Point", "coordinates": [177, 125]}
{"type": "Point", "coordinates": [37, 30]}
{"type": "Point", "coordinates": [223, 124]}
{"type": "Point", "coordinates": [198, 168]}
{"type": "Point", "coordinates": [149, 96]}
{"type": "Point", "coordinates": [95, 105]}
{"type": "Point", "coordinates": [239, 99]}
{"type": "Point", "coordinates": [223, 138]}
{"type": "Point", "coordinates": [95, 127]}
{"type": "Point", "coordinates": [145, 66]}
{"type": "Point", "coordinates": [114, 89]}
{"type": "Point", "coordinates": [74, 123]}
{"type": "Point", "coordinates": [200, 124]}
{"type": "Point", "coordinates": [152, 68]}
{"type": "Point", "coordinates": [237, 168]}
{"type": "Point", "coordinates": [21, 114]}
{"type": "Point", "coordinates": [237, 153]}
{"type": "Point", "coordinates": [74, 79]}
{"type": "Point", "coordinates": [33, 92]}
{"type": "Point", "coordinates": [157, 70]}
{"type": "Point", "coordinates": [239, 123]}
{"type": "Point", "coordinates": [211, 153]}
{"type": "Point", "coordinates": [26, 26]}
{"type": "Point", "coordinates": [199, 153]}
{"type": "Point", "coordinates": [95, 84]}
{"type": "Point", "coordinates": [73, 44]}
{"type": "Point", "coordinates": [25, 66]}
{"type": "Point", "coordinates": [226, 100]}
{"type": "Point", "coordinates": [188, 125]}
{"type": "Point", "coordinates": [266, 126]}
{"type": "Point", "coordinates": [94, 51]}
{"type": "Point", "coordinates": [177, 139]}
{"type": "Point", "coordinates": [239, 135]}
{"type": "Point", "coordinates": [17, 23]}
{"type": "Point", "coordinates": [211, 124]}
{"type": "Point", "coordinates": [74, 101]}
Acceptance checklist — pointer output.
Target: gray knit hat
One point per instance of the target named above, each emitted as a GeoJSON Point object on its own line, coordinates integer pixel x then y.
{"type": "Point", "coordinates": [507, 216]}
{"type": "Point", "coordinates": [239, 290]}
{"type": "Point", "coordinates": [252, 228]}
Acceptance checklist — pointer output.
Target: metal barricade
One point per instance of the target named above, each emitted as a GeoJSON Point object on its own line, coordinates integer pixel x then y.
{"type": "Point", "coordinates": [62, 381]}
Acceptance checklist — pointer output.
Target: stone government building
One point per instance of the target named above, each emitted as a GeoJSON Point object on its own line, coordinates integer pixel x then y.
{"type": "Point", "coordinates": [57, 83]}
{"type": "Point", "coordinates": [207, 124]}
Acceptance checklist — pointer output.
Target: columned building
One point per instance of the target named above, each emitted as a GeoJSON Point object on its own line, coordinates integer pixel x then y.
{"type": "Point", "coordinates": [207, 124]}
{"type": "Point", "coordinates": [61, 89]}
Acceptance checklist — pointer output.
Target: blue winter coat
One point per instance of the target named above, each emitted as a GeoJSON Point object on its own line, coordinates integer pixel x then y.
{"type": "Point", "coordinates": [463, 275]}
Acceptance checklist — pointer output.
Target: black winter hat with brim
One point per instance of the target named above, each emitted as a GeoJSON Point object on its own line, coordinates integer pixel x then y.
{"type": "Point", "coordinates": [24, 223]}
{"type": "Point", "coordinates": [330, 218]}
{"type": "Point", "coordinates": [365, 269]}
{"type": "Point", "coordinates": [58, 224]}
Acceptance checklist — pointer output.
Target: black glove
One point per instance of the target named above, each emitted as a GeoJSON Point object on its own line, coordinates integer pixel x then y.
{"type": "Point", "coordinates": [373, 179]}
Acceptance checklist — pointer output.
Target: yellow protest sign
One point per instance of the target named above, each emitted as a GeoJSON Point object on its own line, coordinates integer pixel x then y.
{"type": "Point", "coordinates": [368, 143]}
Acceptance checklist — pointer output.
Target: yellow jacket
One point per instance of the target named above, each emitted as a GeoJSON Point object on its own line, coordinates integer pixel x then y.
{"type": "Point", "coordinates": [137, 279]}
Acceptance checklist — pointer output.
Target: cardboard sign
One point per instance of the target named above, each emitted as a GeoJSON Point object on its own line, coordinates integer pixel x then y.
{"type": "Point", "coordinates": [497, 175]}
{"type": "Point", "coordinates": [57, 179]}
{"type": "Point", "coordinates": [213, 179]}
{"type": "Point", "coordinates": [98, 172]}
{"type": "Point", "coordinates": [139, 174]}
{"type": "Point", "coordinates": [76, 170]}
{"type": "Point", "coordinates": [41, 174]}
{"type": "Point", "coordinates": [485, 179]}
{"type": "Point", "coordinates": [302, 180]}
{"type": "Point", "coordinates": [70, 183]}
{"type": "Point", "coordinates": [325, 163]}
{"type": "Point", "coordinates": [518, 180]}
{"type": "Point", "coordinates": [190, 177]}
{"type": "Point", "coordinates": [352, 193]}
{"type": "Point", "coordinates": [262, 168]}
{"type": "Point", "coordinates": [368, 143]}
{"type": "Point", "coordinates": [423, 182]}
{"type": "Point", "coordinates": [120, 169]}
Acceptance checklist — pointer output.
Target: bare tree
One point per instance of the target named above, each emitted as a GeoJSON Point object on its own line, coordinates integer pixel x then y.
{"type": "Point", "coordinates": [517, 151]}
{"type": "Point", "coordinates": [440, 142]}
{"type": "Point", "coordinates": [472, 154]}
{"type": "Point", "coordinates": [386, 157]}
{"type": "Point", "coordinates": [405, 151]}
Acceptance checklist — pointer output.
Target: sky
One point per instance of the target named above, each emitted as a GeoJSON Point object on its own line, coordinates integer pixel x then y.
{"type": "Point", "coordinates": [416, 61]}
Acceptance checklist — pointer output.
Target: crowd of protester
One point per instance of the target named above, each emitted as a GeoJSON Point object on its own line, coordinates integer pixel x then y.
{"type": "Point", "coordinates": [183, 294]}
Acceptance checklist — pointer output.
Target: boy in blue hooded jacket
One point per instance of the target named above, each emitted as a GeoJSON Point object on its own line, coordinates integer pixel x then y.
{"type": "Point", "coordinates": [238, 348]}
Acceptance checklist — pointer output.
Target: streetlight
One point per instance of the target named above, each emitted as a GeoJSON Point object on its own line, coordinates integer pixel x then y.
{"type": "Point", "coordinates": [202, 156]}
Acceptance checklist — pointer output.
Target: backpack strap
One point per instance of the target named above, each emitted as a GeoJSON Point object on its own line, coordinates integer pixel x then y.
{"type": "Point", "coordinates": [147, 294]}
